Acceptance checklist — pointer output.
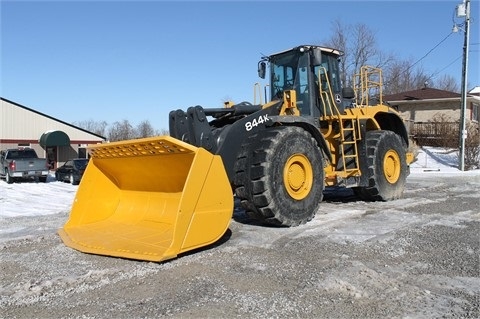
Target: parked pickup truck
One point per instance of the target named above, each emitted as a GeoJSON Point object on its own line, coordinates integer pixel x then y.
{"type": "Point", "coordinates": [21, 164]}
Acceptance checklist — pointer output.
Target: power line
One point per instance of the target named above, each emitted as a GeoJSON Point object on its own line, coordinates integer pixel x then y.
{"type": "Point", "coordinates": [423, 57]}
{"type": "Point", "coordinates": [448, 65]}
{"type": "Point", "coordinates": [436, 73]}
{"type": "Point", "coordinates": [436, 46]}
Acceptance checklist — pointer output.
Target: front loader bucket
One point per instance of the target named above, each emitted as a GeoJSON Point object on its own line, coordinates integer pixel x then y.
{"type": "Point", "coordinates": [149, 199]}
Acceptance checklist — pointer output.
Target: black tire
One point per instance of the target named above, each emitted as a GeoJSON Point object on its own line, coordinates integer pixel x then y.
{"type": "Point", "coordinates": [74, 181]}
{"type": "Point", "coordinates": [279, 176]}
{"type": "Point", "coordinates": [385, 167]}
{"type": "Point", "coordinates": [8, 178]}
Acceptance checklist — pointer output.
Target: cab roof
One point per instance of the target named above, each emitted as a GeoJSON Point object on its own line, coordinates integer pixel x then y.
{"type": "Point", "coordinates": [309, 47]}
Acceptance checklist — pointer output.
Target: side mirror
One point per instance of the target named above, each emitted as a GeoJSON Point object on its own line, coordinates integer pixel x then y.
{"type": "Point", "coordinates": [262, 67]}
{"type": "Point", "coordinates": [348, 93]}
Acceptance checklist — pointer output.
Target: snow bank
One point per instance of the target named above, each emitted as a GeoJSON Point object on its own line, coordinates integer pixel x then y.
{"type": "Point", "coordinates": [437, 161]}
{"type": "Point", "coordinates": [34, 199]}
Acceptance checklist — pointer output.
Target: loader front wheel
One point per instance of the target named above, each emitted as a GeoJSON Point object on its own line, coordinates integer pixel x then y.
{"type": "Point", "coordinates": [386, 169]}
{"type": "Point", "coordinates": [280, 177]}
{"type": "Point", "coordinates": [298, 176]}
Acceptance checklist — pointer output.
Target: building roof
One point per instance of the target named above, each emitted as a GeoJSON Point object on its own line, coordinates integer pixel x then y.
{"type": "Point", "coordinates": [421, 94]}
{"type": "Point", "coordinates": [475, 91]}
{"type": "Point", "coordinates": [52, 118]}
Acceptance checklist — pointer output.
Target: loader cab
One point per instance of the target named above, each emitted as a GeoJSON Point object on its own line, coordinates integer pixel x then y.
{"type": "Point", "coordinates": [311, 71]}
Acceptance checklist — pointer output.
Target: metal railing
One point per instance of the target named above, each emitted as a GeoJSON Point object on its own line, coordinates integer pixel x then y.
{"type": "Point", "coordinates": [438, 134]}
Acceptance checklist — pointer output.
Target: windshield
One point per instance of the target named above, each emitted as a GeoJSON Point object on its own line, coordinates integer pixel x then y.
{"type": "Point", "coordinates": [283, 69]}
{"type": "Point", "coordinates": [329, 64]}
{"type": "Point", "coordinates": [80, 163]}
{"type": "Point", "coordinates": [17, 154]}
{"type": "Point", "coordinates": [308, 72]}
{"type": "Point", "coordinates": [289, 71]}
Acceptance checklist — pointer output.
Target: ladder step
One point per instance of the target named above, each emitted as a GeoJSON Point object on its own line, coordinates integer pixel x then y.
{"type": "Point", "coordinates": [348, 145]}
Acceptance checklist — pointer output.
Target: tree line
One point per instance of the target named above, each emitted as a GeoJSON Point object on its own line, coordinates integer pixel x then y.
{"type": "Point", "coordinates": [120, 130]}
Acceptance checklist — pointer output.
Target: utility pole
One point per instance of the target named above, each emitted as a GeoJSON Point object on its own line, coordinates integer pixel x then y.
{"type": "Point", "coordinates": [463, 10]}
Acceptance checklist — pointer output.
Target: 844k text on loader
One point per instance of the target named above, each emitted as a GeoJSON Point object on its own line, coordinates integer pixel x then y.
{"type": "Point", "coordinates": [154, 198]}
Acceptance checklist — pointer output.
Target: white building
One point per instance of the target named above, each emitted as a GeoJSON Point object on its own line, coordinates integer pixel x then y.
{"type": "Point", "coordinates": [51, 138]}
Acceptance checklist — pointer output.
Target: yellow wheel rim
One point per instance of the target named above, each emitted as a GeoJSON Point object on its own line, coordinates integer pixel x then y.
{"type": "Point", "coordinates": [391, 166]}
{"type": "Point", "coordinates": [298, 176]}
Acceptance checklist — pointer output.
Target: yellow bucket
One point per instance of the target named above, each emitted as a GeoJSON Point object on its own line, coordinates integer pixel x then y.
{"type": "Point", "coordinates": [149, 199]}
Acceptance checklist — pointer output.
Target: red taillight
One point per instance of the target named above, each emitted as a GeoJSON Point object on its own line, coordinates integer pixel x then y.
{"type": "Point", "coordinates": [12, 165]}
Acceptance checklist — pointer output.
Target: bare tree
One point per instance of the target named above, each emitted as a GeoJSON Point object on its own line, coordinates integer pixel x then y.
{"type": "Point", "coordinates": [447, 83]}
{"type": "Point", "coordinates": [360, 48]}
{"type": "Point", "coordinates": [120, 131]}
{"type": "Point", "coordinates": [97, 127]}
{"type": "Point", "coordinates": [404, 75]}
{"type": "Point", "coordinates": [338, 41]}
{"type": "Point", "coordinates": [398, 75]}
{"type": "Point", "coordinates": [145, 129]}
{"type": "Point", "coordinates": [363, 47]}
{"type": "Point", "coordinates": [162, 132]}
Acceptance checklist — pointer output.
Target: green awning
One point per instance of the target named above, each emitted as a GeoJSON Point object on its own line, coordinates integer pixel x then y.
{"type": "Point", "coordinates": [54, 138]}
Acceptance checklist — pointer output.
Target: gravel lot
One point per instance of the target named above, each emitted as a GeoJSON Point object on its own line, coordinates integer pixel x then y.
{"type": "Point", "coordinates": [417, 257]}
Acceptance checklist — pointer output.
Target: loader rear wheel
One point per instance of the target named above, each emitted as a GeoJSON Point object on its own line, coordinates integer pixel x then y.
{"type": "Point", "coordinates": [386, 167]}
{"type": "Point", "coordinates": [279, 176]}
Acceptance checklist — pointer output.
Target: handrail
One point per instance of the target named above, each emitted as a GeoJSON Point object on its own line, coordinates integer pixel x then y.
{"type": "Point", "coordinates": [329, 99]}
{"type": "Point", "coordinates": [368, 85]}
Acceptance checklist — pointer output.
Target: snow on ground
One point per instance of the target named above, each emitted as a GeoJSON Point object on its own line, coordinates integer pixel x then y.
{"type": "Point", "coordinates": [34, 199]}
{"type": "Point", "coordinates": [38, 199]}
{"type": "Point", "coordinates": [433, 161]}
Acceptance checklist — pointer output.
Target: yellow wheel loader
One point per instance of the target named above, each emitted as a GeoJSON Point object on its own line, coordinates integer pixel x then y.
{"type": "Point", "coordinates": [155, 198]}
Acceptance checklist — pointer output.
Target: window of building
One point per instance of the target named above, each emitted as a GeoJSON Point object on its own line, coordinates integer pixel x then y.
{"type": "Point", "coordinates": [475, 112]}
{"type": "Point", "coordinates": [82, 151]}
